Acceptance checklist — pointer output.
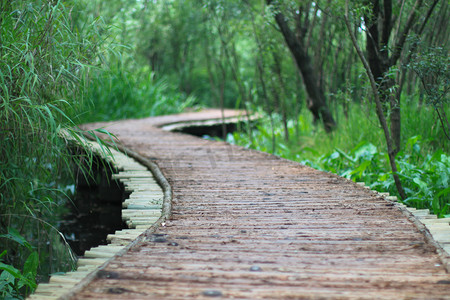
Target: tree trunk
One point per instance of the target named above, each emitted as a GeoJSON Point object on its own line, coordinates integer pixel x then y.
{"type": "Point", "coordinates": [317, 103]}
{"type": "Point", "coordinates": [396, 124]}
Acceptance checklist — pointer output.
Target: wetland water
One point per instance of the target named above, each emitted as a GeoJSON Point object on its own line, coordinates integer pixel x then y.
{"type": "Point", "coordinates": [95, 211]}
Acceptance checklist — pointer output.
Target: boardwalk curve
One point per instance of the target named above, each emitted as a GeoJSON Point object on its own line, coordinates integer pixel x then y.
{"type": "Point", "coordinates": [249, 225]}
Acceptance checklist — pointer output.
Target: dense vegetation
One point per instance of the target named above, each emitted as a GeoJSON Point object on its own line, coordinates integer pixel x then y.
{"type": "Point", "coordinates": [359, 89]}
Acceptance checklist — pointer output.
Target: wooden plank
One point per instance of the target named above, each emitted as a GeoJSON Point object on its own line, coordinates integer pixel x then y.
{"type": "Point", "coordinates": [142, 212]}
{"type": "Point", "coordinates": [442, 220]}
{"type": "Point", "coordinates": [144, 200]}
{"type": "Point", "coordinates": [143, 206]}
{"type": "Point", "coordinates": [64, 279]}
{"type": "Point", "coordinates": [135, 205]}
{"type": "Point", "coordinates": [90, 261]}
{"type": "Point", "coordinates": [42, 297]}
{"type": "Point", "coordinates": [135, 216]}
{"type": "Point", "coordinates": [132, 174]}
{"type": "Point", "coordinates": [142, 221]}
{"type": "Point", "coordinates": [98, 254]}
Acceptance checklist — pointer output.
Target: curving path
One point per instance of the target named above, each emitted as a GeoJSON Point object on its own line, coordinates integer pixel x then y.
{"type": "Point", "coordinates": [249, 225]}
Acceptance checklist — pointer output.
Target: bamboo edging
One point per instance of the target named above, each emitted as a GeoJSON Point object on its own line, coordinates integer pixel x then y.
{"type": "Point", "coordinates": [147, 207]}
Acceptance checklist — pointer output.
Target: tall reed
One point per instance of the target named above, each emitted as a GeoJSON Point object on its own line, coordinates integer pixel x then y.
{"type": "Point", "coordinates": [44, 56]}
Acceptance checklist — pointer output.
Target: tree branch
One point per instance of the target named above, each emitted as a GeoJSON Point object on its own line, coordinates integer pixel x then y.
{"type": "Point", "coordinates": [398, 47]}
{"type": "Point", "coordinates": [318, 105]}
{"type": "Point", "coordinates": [399, 18]}
{"type": "Point", "coordinates": [430, 11]}
{"type": "Point", "coordinates": [444, 128]}
{"type": "Point", "coordinates": [412, 50]}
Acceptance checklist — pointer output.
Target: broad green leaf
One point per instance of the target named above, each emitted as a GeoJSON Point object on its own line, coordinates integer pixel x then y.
{"type": "Point", "coordinates": [422, 185]}
{"type": "Point", "coordinates": [11, 270]}
{"type": "Point", "coordinates": [345, 155]}
{"type": "Point", "coordinates": [334, 155]}
{"type": "Point", "coordinates": [361, 168]}
{"type": "Point", "coordinates": [444, 192]}
{"type": "Point", "coordinates": [14, 235]}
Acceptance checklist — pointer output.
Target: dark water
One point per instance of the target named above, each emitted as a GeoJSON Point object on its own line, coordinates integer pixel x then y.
{"type": "Point", "coordinates": [96, 210]}
{"type": "Point", "coordinates": [216, 131]}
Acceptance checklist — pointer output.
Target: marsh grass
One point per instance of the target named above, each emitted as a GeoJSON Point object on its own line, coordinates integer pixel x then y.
{"type": "Point", "coordinates": [44, 57]}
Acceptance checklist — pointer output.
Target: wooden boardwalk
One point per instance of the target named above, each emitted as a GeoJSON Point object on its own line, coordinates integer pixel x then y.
{"type": "Point", "coordinates": [249, 225]}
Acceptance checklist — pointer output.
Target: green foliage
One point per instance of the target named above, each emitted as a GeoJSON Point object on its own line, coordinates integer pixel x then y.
{"type": "Point", "coordinates": [432, 67]}
{"type": "Point", "coordinates": [162, 39]}
{"type": "Point", "coordinates": [122, 92]}
{"type": "Point", "coordinates": [426, 177]}
{"type": "Point", "coordinates": [44, 57]}
{"type": "Point", "coordinates": [131, 82]}
{"type": "Point", "coordinates": [13, 282]}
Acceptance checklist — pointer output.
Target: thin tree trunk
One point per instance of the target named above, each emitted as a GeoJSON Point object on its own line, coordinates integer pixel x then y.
{"type": "Point", "coordinates": [396, 122]}
{"type": "Point", "coordinates": [277, 70]}
{"type": "Point", "coordinates": [222, 97]}
{"type": "Point", "coordinates": [260, 67]}
{"type": "Point", "coordinates": [212, 84]}
{"type": "Point", "coordinates": [379, 108]}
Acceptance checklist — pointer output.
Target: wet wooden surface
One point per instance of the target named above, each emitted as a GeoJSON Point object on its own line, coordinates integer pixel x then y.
{"type": "Point", "coordinates": [248, 225]}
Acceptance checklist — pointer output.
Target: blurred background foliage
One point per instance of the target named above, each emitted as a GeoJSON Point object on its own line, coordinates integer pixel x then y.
{"type": "Point", "coordinates": [67, 62]}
